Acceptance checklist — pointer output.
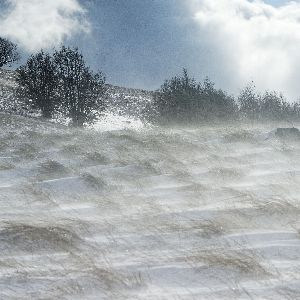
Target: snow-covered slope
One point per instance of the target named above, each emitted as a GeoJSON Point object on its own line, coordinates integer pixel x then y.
{"type": "Point", "coordinates": [126, 101]}
{"type": "Point", "coordinates": [120, 102]}
{"type": "Point", "coordinates": [198, 213]}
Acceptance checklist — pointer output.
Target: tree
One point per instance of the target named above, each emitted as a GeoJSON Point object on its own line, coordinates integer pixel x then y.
{"type": "Point", "coordinates": [80, 89]}
{"type": "Point", "coordinates": [267, 106]}
{"type": "Point", "coordinates": [274, 106]}
{"type": "Point", "coordinates": [182, 99]}
{"type": "Point", "coordinates": [250, 103]}
{"type": "Point", "coordinates": [176, 98]}
{"type": "Point", "coordinates": [215, 103]}
{"type": "Point", "coordinates": [38, 82]}
{"type": "Point", "coordinates": [8, 52]}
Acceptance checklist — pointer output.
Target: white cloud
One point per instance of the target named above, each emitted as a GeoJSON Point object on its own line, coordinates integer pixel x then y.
{"type": "Point", "coordinates": [37, 24]}
{"type": "Point", "coordinates": [253, 41]}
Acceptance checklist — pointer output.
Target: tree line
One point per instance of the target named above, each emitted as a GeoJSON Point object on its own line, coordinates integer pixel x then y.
{"type": "Point", "coordinates": [182, 99]}
{"type": "Point", "coordinates": [61, 83]}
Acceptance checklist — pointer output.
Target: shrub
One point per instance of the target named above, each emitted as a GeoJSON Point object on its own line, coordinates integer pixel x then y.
{"type": "Point", "coordinates": [182, 99]}
{"type": "Point", "coordinates": [269, 106]}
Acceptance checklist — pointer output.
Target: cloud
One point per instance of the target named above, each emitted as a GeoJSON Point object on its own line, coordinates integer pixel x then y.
{"type": "Point", "coordinates": [36, 24]}
{"type": "Point", "coordinates": [252, 40]}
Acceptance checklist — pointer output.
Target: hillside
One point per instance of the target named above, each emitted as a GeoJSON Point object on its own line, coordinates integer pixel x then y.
{"type": "Point", "coordinates": [124, 210]}
{"type": "Point", "coordinates": [122, 101]}
{"type": "Point", "coordinates": [207, 213]}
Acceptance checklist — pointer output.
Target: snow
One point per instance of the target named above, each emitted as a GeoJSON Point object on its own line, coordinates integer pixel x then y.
{"type": "Point", "coordinates": [129, 211]}
{"type": "Point", "coordinates": [110, 121]}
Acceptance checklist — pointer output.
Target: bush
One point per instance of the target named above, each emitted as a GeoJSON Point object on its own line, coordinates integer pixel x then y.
{"type": "Point", "coordinates": [269, 106]}
{"type": "Point", "coordinates": [216, 104]}
{"type": "Point", "coordinates": [8, 52]}
{"type": "Point", "coordinates": [182, 99]}
{"type": "Point", "coordinates": [177, 97]}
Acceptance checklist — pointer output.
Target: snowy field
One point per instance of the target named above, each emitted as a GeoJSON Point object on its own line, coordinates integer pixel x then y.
{"type": "Point", "coordinates": [148, 213]}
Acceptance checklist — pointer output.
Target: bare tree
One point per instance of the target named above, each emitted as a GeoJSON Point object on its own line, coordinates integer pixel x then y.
{"type": "Point", "coordinates": [8, 52]}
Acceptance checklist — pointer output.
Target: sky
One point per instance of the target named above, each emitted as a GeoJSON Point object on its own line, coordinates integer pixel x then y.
{"type": "Point", "coordinates": [139, 43]}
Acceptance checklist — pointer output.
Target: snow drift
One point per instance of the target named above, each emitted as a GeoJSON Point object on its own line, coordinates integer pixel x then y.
{"type": "Point", "coordinates": [148, 213]}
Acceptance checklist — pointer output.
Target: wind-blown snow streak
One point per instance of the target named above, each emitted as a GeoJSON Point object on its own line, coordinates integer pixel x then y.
{"type": "Point", "coordinates": [199, 213]}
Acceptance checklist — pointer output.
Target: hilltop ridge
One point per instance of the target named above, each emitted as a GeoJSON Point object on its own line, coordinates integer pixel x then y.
{"type": "Point", "coordinates": [119, 100]}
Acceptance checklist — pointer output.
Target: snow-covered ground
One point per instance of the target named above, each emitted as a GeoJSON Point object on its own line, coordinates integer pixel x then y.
{"type": "Point", "coordinates": [148, 213]}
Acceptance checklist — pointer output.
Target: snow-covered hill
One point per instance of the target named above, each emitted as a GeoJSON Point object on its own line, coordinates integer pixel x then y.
{"type": "Point", "coordinates": [121, 103]}
{"type": "Point", "coordinates": [198, 213]}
